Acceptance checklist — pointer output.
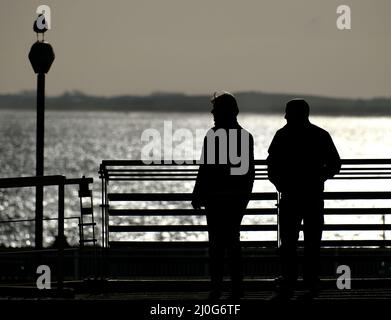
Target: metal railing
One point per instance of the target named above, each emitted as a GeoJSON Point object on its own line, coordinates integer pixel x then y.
{"type": "Point", "coordinates": [133, 171]}
{"type": "Point", "coordinates": [54, 180]}
{"type": "Point", "coordinates": [10, 221]}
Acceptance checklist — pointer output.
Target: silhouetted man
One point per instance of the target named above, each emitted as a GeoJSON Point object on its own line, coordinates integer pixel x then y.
{"type": "Point", "coordinates": [223, 186]}
{"type": "Point", "coordinates": [301, 158]}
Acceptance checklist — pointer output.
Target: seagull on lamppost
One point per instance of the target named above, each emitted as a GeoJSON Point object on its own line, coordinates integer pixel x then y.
{"type": "Point", "coordinates": [40, 26]}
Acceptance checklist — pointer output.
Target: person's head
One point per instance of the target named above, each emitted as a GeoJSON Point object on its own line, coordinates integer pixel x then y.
{"type": "Point", "coordinates": [297, 112]}
{"type": "Point", "coordinates": [225, 109]}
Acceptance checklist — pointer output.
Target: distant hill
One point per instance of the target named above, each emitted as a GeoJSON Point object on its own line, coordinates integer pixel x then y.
{"type": "Point", "coordinates": [248, 101]}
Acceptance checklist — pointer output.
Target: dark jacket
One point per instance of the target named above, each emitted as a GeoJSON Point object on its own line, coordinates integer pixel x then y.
{"type": "Point", "coordinates": [302, 159]}
{"type": "Point", "coordinates": [217, 182]}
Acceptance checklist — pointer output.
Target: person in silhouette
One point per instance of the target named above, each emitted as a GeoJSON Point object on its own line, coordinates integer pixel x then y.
{"type": "Point", "coordinates": [223, 186]}
{"type": "Point", "coordinates": [301, 158]}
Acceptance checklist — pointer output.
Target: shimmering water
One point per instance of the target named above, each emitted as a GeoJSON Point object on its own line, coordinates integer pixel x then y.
{"type": "Point", "coordinates": [77, 142]}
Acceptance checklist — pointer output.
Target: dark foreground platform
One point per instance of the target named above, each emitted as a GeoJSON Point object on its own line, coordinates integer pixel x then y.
{"type": "Point", "coordinates": [172, 299]}
{"type": "Point", "coordinates": [182, 305]}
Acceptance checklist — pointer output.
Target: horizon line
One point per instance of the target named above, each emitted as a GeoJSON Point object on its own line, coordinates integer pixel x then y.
{"type": "Point", "coordinates": [186, 94]}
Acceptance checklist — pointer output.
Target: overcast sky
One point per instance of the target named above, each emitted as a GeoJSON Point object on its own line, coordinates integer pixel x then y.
{"type": "Point", "coordinates": [198, 46]}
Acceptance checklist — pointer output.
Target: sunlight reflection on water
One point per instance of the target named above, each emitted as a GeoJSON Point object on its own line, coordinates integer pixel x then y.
{"type": "Point", "coordinates": [77, 142]}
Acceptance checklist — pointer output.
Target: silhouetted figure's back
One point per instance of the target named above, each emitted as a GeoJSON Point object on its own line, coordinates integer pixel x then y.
{"type": "Point", "coordinates": [301, 158]}
{"type": "Point", "coordinates": [223, 187]}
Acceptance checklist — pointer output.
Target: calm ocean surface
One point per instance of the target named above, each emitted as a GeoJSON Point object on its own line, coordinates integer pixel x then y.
{"type": "Point", "coordinates": [77, 142]}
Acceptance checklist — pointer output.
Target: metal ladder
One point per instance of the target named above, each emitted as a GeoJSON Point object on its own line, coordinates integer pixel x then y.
{"type": "Point", "coordinates": [86, 210]}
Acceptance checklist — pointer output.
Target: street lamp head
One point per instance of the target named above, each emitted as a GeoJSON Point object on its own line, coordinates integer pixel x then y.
{"type": "Point", "coordinates": [41, 53]}
{"type": "Point", "coordinates": [41, 56]}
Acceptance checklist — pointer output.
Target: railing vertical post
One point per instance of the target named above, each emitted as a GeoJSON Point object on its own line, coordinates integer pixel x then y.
{"type": "Point", "coordinates": [103, 260]}
{"type": "Point", "coordinates": [106, 215]}
{"type": "Point", "coordinates": [60, 236]}
{"type": "Point", "coordinates": [278, 219]}
{"type": "Point", "coordinates": [102, 206]}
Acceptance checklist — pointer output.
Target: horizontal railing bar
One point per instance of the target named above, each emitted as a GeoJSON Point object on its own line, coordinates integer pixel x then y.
{"type": "Point", "coordinates": [363, 161]}
{"type": "Point", "coordinates": [79, 180]}
{"type": "Point", "coordinates": [256, 178]}
{"type": "Point", "coordinates": [186, 244]}
{"type": "Point", "coordinates": [361, 178]}
{"type": "Point", "coordinates": [261, 169]}
{"type": "Point", "coordinates": [180, 177]}
{"type": "Point", "coordinates": [175, 177]}
{"type": "Point", "coordinates": [264, 243]}
{"type": "Point", "coordinates": [253, 227]}
{"type": "Point", "coordinates": [353, 243]}
{"type": "Point", "coordinates": [249, 211]}
{"type": "Point", "coordinates": [30, 220]}
{"type": "Point", "coordinates": [181, 212]}
{"type": "Point", "coordinates": [356, 195]}
{"type": "Point", "coordinates": [35, 251]}
{"type": "Point", "coordinates": [107, 163]}
{"type": "Point", "coordinates": [353, 227]}
{"type": "Point", "coordinates": [176, 196]}
{"type": "Point", "coordinates": [365, 168]}
{"type": "Point", "coordinates": [257, 169]}
{"type": "Point", "coordinates": [153, 169]}
{"type": "Point", "coordinates": [357, 211]}
{"type": "Point", "coordinates": [181, 228]}
{"type": "Point", "coordinates": [151, 179]}
{"type": "Point", "coordinates": [361, 175]}
{"type": "Point", "coordinates": [343, 195]}
{"type": "Point", "coordinates": [164, 179]}
{"type": "Point", "coordinates": [344, 173]}
{"type": "Point", "coordinates": [174, 171]}
{"type": "Point", "coordinates": [32, 181]}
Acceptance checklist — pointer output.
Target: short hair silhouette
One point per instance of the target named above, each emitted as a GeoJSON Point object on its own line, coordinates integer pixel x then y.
{"type": "Point", "coordinates": [297, 109]}
{"type": "Point", "coordinates": [225, 102]}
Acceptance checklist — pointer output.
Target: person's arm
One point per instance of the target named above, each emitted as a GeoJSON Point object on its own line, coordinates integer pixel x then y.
{"type": "Point", "coordinates": [197, 196]}
{"type": "Point", "coordinates": [332, 163]}
{"type": "Point", "coordinates": [273, 163]}
{"type": "Point", "coordinates": [251, 169]}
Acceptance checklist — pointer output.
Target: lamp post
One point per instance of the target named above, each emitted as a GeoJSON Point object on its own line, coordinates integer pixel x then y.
{"type": "Point", "coordinates": [41, 57]}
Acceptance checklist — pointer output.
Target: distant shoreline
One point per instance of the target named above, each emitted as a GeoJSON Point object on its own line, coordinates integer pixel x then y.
{"type": "Point", "coordinates": [357, 115]}
{"type": "Point", "coordinates": [249, 102]}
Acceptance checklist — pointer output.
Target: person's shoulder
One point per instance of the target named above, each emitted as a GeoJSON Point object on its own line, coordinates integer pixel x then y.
{"type": "Point", "coordinates": [282, 131]}
{"type": "Point", "coordinates": [318, 130]}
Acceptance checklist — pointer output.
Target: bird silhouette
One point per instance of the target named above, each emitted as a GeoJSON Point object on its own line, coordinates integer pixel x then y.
{"type": "Point", "coordinates": [40, 26]}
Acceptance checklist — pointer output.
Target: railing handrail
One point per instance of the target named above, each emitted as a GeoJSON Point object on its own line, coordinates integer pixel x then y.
{"type": "Point", "coordinates": [44, 219]}
{"type": "Point", "coordinates": [124, 162]}
{"type": "Point", "coordinates": [257, 161]}
{"type": "Point", "coordinates": [31, 181]}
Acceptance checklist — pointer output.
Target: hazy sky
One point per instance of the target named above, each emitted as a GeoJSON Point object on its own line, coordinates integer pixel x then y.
{"type": "Point", "coordinates": [198, 46]}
